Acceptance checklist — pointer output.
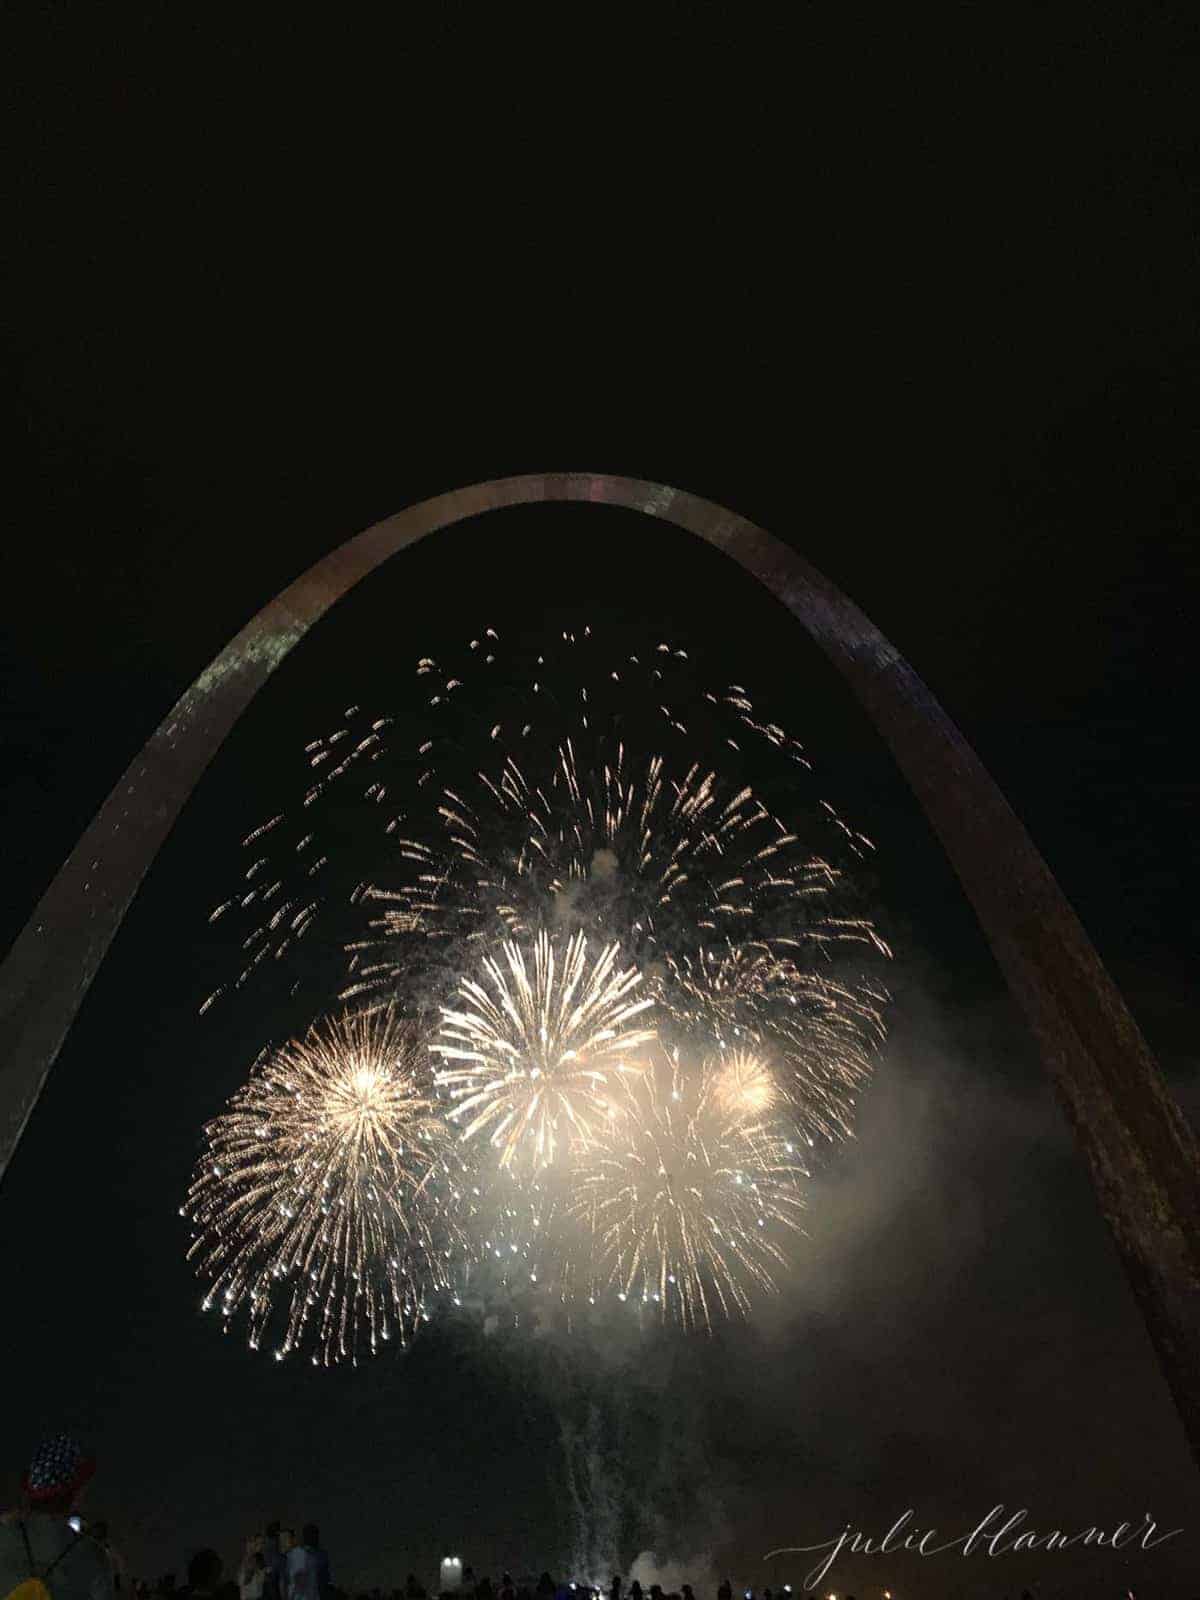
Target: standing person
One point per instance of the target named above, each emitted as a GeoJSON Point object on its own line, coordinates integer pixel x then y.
{"type": "Point", "coordinates": [273, 1559]}
{"type": "Point", "coordinates": [252, 1574]}
{"type": "Point", "coordinates": [116, 1562]}
{"type": "Point", "coordinates": [306, 1575]}
{"type": "Point", "coordinates": [39, 1542]}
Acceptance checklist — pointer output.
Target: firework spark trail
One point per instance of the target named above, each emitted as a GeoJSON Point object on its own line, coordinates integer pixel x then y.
{"type": "Point", "coordinates": [392, 783]}
{"type": "Point", "coordinates": [701, 885]}
{"type": "Point", "coordinates": [592, 1481]}
{"type": "Point", "coordinates": [536, 1051]}
{"type": "Point", "coordinates": [463, 866]}
{"type": "Point", "coordinates": [819, 1030]}
{"type": "Point", "coordinates": [716, 898]}
{"type": "Point", "coordinates": [327, 1183]}
{"type": "Point", "coordinates": [683, 1193]}
{"type": "Point", "coordinates": [508, 1217]}
{"type": "Point", "coordinates": [744, 1086]}
{"type": "Point", "coordinates": [621, 842]}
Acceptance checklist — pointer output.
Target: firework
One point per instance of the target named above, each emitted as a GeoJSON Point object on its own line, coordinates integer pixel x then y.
{"type": "Point", "coordinates": [325, 1189]}
{"type": "Point", "coordinates": [615, 845]}
{"type": "Point", "coordinates": [594, 806]}
{"type": "Point", "coordinates": [744, 1086]}
{"type": "Point", "coordinates": [579, 790]}
{"type": "Point", "coordinates": [736, 925]}
{"type": "Point", "coordinates": [601, 877]}
{"type": "Point", "coordinates": [526, 1261]}
{"type": "Point", "coordinates": [683, 1192]}
{"type": "Point", "coordinates": [534, 1051]}
{"type": "Point", "coordinates": [818, 1028]}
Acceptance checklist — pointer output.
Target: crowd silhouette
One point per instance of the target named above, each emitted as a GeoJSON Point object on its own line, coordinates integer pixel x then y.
{"type": "Point", "coordinates": [49, 1552]}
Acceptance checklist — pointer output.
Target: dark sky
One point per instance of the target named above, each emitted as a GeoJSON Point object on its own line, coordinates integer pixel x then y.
{"type": "Point", "coordinates": [925, 309]}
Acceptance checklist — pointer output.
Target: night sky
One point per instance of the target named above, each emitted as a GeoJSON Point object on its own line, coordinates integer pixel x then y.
{"type": "Point", "coordinates": [928, 316]}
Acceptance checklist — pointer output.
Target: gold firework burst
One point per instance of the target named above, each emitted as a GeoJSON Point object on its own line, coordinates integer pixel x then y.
{"type": "Point", "coordinates": [743, 1085]}
{"type": "Point", "coordinates": [682, 1194]}
{"type": "Point", "coordinates": [536, 1048]}
{"type": "Point", "coordinates": [324, 1187]}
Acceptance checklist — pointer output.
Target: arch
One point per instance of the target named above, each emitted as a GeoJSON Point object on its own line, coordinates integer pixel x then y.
{"type": "Point", "coordinates": [1140, 1150]}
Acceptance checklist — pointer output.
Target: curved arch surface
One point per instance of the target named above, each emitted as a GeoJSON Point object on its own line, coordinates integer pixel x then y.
{"type": "Point", "coordinates": [1140, 1150]}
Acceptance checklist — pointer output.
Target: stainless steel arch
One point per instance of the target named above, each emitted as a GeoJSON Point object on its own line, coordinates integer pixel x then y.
{"type": "Point", "coordinates": [1140, 1150]}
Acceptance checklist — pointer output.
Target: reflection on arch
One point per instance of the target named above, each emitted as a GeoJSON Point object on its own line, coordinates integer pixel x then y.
{"type": "Point", "coordinates": [1140, 1150]}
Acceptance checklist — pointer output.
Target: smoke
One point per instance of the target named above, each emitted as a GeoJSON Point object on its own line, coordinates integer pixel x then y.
{"type": "Point", "coordinates": [605, 864]}
{"type": "Point", "coordinates": [594, 1488]}
{"type": "Point", "coordinates": [636, 1468]}
{"type": "Point", "coordinates": [581, 902]}
{"type": "Point", "coordinates": [959, 1205]}
{"type": "Point", "coordinates": [699, 1570]}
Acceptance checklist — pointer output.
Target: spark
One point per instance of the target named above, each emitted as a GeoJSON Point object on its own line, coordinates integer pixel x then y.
{"type": "Point", "coordinates": [682, 1196]}
{"type": "Point", "coordinates": [743, 1085]}
{"type": "Point", "coordinates": [619, 841]}
{"type": "Point", "coordinates": [612, 906]}
{"type": "Point", "coordinates": [819, 1028]}
{"type": "Point", "coordinates": [617, 823]}
{"type": "Point", "coordinates": [534, 1050]}
{"type": "Point", "coordinates": [736, 924]}
{"type": "Point", "coordinates": [321, 1187]}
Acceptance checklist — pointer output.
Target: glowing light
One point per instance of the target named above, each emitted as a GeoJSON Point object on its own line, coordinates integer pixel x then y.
{"type": "Point", "coordinates": [661, 1203]}
{"type": "Point", "coordinates": [572, 862]}
{"type": "Point", "coordinates": [538, 1047]}
{"type": "Point", "coordinates": [817, 1030]}
{"type": "Point", "coordinates": [320, 1187]}
{"type": "Point", "coordinates": [743, 1085]}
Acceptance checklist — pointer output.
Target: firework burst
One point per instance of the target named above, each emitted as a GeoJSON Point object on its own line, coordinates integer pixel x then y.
{"type": "Point", "coordinates": [653, 985]}
{"type": "Point", "coordinates": [684, 1189]}
{"type": "Point", "coordinates": [818, 1027]}
{"type": "Point", "coordinates": [743, 1086]}
{"type": "Point", "coordinates": [736, 925]}
{"type": "Point", "coordinates": [324, 1189]}
{"type": "Point", "coordinates": [534, 1051]}
{"type": "Point", "coordinates": [581, 789]}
